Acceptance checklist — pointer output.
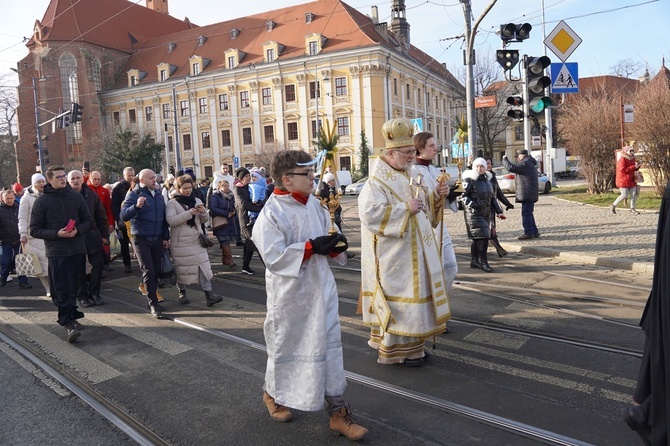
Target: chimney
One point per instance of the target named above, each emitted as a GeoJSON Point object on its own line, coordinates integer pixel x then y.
{"type": "Point", "coordinates": [159, 6]}
{"type": "Point", "coordinates": [375, 15]}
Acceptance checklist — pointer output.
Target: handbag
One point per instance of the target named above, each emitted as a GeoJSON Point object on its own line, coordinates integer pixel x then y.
{"type": "Point", "coordinates": [27, 263]}
{"type": "Point", "coordinates": [219, 222]}
{"type": "Point", "coordinates": [205, 242]}
{"type": "Point", "coordinates": [639, 178]}
{"type": "Point", "coordinates": [167, 267]}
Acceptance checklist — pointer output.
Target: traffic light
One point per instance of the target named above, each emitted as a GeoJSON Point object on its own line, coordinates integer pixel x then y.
{"type": "Point", "coordinates": [63, 121]}
{"type": "Point", "coordinates": [511, 32]}
{"type": "Point", "coordinates": [75, 113]}
{"type": "Point", "coordinates": [45, 156]}
{"type": "Point", "coordinates": [516, 112]}
{"type": "Point", "coordinates": [507, 58]}
{"type": "Point", "coordinates": [536, 83]}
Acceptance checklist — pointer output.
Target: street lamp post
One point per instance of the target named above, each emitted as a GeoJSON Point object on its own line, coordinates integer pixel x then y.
{"type": "Point", "coordinates": [176, 125]}
{"type": "Point", "coordinates": [38, 131]}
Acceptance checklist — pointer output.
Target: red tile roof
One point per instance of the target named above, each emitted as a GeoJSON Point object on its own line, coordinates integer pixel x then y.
{"type": "Point", "coordinates": [105, 22]}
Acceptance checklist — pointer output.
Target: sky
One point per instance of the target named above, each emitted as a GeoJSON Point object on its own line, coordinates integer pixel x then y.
{"type": "Point", "coordinates": [611, 30]}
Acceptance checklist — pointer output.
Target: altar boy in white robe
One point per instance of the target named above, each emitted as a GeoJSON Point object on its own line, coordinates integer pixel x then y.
{"type": "Point", "coordinates": [302, 326]}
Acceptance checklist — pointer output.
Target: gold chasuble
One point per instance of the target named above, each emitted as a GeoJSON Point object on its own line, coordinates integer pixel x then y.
{"type": "Point", "coordinates": [404, 297]}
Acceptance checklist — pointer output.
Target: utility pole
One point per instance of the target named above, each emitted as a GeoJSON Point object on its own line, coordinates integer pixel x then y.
{"type": "Point", "coordinates": [176, 125]}
{"type": "Point", "coordinates": [549, 165]}
{"type": "Point", "coordinates": [38, 130]}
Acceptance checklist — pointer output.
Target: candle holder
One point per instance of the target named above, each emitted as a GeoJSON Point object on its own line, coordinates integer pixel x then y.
{"type": "Point", "coordinates": [331, 204]}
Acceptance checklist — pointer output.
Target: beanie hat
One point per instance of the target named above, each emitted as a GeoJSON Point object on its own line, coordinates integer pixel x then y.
{"type": "Point", "coordinates": [328, 177]}
{"type": "Point", "coordinates": [36, 177]}
{"type": "Point", "coordinates": [241, 173]}
{"type": "Point", "coordinates": [189, 171]}
{"type": "Point", "coordinates": [16, 187]}
{"type": "Point", "coordinates": [477, 162]}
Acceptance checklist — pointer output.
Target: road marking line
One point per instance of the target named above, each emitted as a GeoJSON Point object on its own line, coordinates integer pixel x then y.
{"type": "Point", "coordinates": [37, 373]}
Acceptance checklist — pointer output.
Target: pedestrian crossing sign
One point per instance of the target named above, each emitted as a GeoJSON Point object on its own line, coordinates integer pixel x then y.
{"type": "Point", "coordinates": [564, 77]}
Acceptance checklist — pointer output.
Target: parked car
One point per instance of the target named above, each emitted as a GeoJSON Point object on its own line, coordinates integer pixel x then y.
{"type": "Point", "coordinates": [355, 188]}
{"type": "Point", "coordinates": [506, 181]}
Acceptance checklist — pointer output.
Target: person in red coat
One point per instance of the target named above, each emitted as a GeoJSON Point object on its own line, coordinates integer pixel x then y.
{"type": "Point", "coordinates": [95, 184]}
{"type": "Point", "coordinates": [626, 167]}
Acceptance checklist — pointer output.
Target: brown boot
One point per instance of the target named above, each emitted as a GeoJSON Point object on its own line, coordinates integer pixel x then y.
{"type": "Point", "coordinates": [277, 412]}
{"type": "Point", "coordinates": [227, 258]}
{"type": "Point", "coordinates": [342, 423]}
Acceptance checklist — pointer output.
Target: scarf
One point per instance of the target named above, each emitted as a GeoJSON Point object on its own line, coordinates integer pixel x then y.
{"type": "Point", "coordinates": [188, 203]}
{"type": "Point", "coordinates": [301, 198]}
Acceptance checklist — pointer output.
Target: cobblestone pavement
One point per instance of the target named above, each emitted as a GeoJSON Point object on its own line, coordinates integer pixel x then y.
{"type": "Point", "coordinates": [577, 233]}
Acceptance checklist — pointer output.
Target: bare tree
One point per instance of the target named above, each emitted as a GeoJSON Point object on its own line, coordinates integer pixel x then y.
{"type": "Point", "coordinates": [8, 106]}
{"type": "Point", "coordinates": [263, 155]}
{"type": "Point", "coordinates": [625, 68]}
{"type": "Point", "coordinates": [590, 128]}
{"type": "Point", "coordinates": [651, 130]}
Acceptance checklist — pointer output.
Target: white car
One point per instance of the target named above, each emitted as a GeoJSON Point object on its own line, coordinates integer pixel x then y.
{"type": "Point", "coordinates": [507, 183]}
{"type": "Point", "coordinates": [355, 188]}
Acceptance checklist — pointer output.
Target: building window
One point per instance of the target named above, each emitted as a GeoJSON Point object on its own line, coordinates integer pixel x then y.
{"type": "Point", "coordinates": [315, 130]}
{"type": "Point", "coordinates": [202, 105]}
{"type": "Point", "coordinates": [95, 71]}
{"type": "Point", "coordinates": [187, 142]}
{"type": "Point", "coordinates": [407, 90]}
{"type": "Point", "coordinates": [246, 136]}
{"type": "Point", "coordinates": [209, 171]}
{"type": "Point", "coordinates": [289, 92]}
{"type": "Point", "coordinates": [206, 141]}
{"type": "Point", "coordinates": [169, 143]}
{"type": "Point", "coordinates": [292, 128]}
{"type": "Point", "coordinates": [314, 90]}
{"type": "Point", "coordinates": [183, 107]}
{"type": "Point", "coordinates": [313, 49]}
{"type": "Point", "coordinates": [231, 62]}
{"type": "Point", "coordinates": [343, 126]}
{"type": "Point", "coordinates": [244, 99]}
{"type": "Point", "coordinates": [196, 69]}
{"type": "Point", "coordinates": [149, 113]}
{"type": "Point", "coordinates": [518, 133]}
{"type": "Point", "coordinates": [270, 55]}
{"type": "Point", "coordinates": [117, 118]}
{"type": "Point", "coordinates": [133, 81]}
{"type": "Point", "coordinates": [267, 96]}
{"type": "Point", "coordinates": [340, 86]}
{"type": "Point", "coordinates": [269, 133]}
{"type": "Point", "coordinates": [163, 75]}
{"type": "Point", "coordinates": [345, 163]}
{"type": "Point", "coordinates": [225, 138]}
{"type": "Point", "coordinates": [166, 111]}
{"type": "Point", "coordinates": [223, 102]}
{"type": "Point", "coordinates": [418, 96]}
{"type": "Point", "coordinates": [132, 117]}
{"type": "Point", "coordinates": [395, 86]}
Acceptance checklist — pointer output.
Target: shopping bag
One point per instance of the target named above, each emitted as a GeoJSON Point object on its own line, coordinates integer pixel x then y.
{"type": "Point", "coordinates": [219, 222]}
{"type": "Point", "coordinates": [27, 263]}
{"type": "Point", "coordinates": [167, 267]}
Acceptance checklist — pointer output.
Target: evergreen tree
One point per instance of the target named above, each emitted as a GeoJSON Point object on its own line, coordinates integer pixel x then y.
{"type": "Point", "coordinates": [363, 156]}
{"type": "Point", "coordinates": [131, 149]}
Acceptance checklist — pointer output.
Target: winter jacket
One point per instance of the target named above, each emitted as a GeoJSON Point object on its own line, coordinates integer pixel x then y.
{"type": "Point", "coordinates": [526, 178]}
{"type": "Point", "coordinates": [118, 195]}
{"type": "Point", "coordinates": [220, 206]}
{"type": "Point", "coordinates": [625, 171]}
{"type": "Point", "coordinates": [149, 220]}
{"type": "Point", "coordinates": [51, 212]}
{"type": "Point", "coordinates": [105, 200]}
{"type": "Point", "coordinates": [33, 245]}
{"type": "Point", "coordinates": [100, 229]}
{"type": "Point", "coordinates": [9, 224]}
{"type": "Point", "coordinates": [187, 253]}
{"type": "Point", "coordinates": [499, 193]}
{"type": "Point", "coordinates": [244, 205]}
{"type": "Point", "coordinates": [479, 202]}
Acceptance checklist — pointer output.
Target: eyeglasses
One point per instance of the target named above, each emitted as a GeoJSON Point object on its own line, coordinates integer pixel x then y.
{"type": "Point", "coordinates": [302, 174]}
{"type": "Point", "coordinates": [60, 177]}
{"type": "Point", "coordinates": [407, 152]}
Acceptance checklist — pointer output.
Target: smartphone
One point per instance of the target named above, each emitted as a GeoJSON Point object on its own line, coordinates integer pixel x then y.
{"type": "Point", "coordinates": [70, 225]}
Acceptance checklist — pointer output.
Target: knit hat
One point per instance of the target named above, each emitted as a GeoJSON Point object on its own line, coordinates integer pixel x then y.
{"type": "Point", "coordinates": [241, 173]}
{"type": "Point", "coordinates": [328, 177]}
{"type": "Point", "coordinates": [477, 162]}
{"type": "Point", "coordinates": [189, 171]}
{"type": "Point", "coordinates": [36, 177]}
{"type": "Point", "coordinates": [16, 187]}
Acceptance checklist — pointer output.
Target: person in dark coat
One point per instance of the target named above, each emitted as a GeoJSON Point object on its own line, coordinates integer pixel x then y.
{"type": "Point", "coordinates": [244, 205]}
{"type": "Point", "coordinates": [527, 190]}
{"type": "Point", "coordinates": [9, 236]}
{"type": "Point", "coordinates": [329, 186]}
{"type": "Point", "coordinates": [479, 203]}
{"type": "Point", "coordinates": [88, 290]}
{"type": "Point", "coordinates": [501, 199]}
{"type": "Point", "coordinates": [118, 195]}
{"type": "Point", "coordinates": [222, 204]}
{"type": "Point", "coordinates": [651, 417]}
{"type": "Point", "coordinates": [60, 217]}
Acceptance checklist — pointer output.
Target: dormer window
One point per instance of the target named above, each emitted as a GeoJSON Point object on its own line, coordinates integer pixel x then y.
{"type": "Point", "coordinates": [234, 32]}
{"type": "Point", "coordinates": [314, 43]}
{"type": "Point", "coordinates": [272, 50]}
{"type": "Point", "coordinates": [195, 69]}
{"type": "Point", "coordinates": [201, 40]}
{"type": "Point", "coordinates": [171, 46]}
{"type": "Point", "coordinates": [309, 17]}
{"type": "Point", "coordinates": [135, 76]}
{"type": "Point", "coordinates": [234, 58]}
{"type": "Point", "coordinates": [198, 64]}
{"type": "Point", "coordinates": [164, 71]}
{"type": "Point", "coordinates": [269, 25]}
{"type": "Point", "coordinates": [313, 48]}
{"type": "Point", "coordinates": [133, 81]}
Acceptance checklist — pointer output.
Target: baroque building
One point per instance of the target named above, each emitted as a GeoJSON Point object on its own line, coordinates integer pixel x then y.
{"type": "Point", "coordinates": [226, 92]}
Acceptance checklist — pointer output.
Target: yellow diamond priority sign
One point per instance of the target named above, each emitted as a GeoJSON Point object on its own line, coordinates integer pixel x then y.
{"type": "Point", "coordinates": [562, 41]}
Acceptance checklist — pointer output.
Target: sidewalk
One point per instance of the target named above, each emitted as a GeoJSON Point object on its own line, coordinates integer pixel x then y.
{"type": "Point", "coordinates": [577, 233]}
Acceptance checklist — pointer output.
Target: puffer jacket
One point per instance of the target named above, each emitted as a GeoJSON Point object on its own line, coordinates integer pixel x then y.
{"type": "Point", "coordinates": [33, 245]}
{"type": "Point", "coordinates": [9, 224]}
{"type": "Point", "coordinates": [244, 205]}
{"type": "Point", "coordinates": [100, 229]}
{"type": "Point", "coordinates": [149, 220]}
{"type": "Point", "coordinates": [479, 202]}
{"type": "Point", "coordinates": [51, 212]}
{"type": "Point", "coordinates": [625, 171]}
{"type": "Point", "coordinates": [527, 189]}
{"type": "Point", "coordinates": [188, 255]}
{"type": "Point", "coordinates": [220, 206]}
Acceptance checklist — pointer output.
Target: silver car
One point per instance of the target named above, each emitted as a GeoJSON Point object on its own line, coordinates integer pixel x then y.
{"type": "Point", "coordinates": [507, 183]}
{"type": "Point", "coordinates": [355, 188]}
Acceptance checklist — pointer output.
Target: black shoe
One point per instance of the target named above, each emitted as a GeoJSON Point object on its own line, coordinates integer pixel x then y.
{"type": "Point", "coordinates": [85, 303]}
{"type": "Point", "coordinates": [108, 268]}
{"type": "Point", "coordinates": [3, 282]}
{"type": "Point", "coordinates": [416, 362]}
{"type": "Point", "coordinates": [156, 311]}
{"type": "Point", "coordinates": [536, 235]}
{"type": "Point", "coordinates": [127, 269]}
{"type": "Point", "coordinates": [25, 285]}
{"type": "Point", "coordinates": [72, 332]}
{"type": "Point", "coordinates": [247, 270]}
{"type": "Point", "coordinates": [635, 211]}
{"type": "Point", "coordinates": [77, 326]}
{"type": "Point", "coordinates": [239, 243]}
{"type": "Point", "coordinates": [613, 209]}
{"type": "Point", "coordinates": [474, 265]}
{"type": "Point", "coordinates": [526, 237]}
{"type": "Point", "coordinates": [486, 267]}
{"type": "Point", "coordinates": [97, 300]}
{"type": "Point", "coordinates": [633, 418]}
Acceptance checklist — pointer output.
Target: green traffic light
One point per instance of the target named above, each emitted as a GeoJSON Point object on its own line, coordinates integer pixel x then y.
{"type": "Point", "coordinates": [539, 104]}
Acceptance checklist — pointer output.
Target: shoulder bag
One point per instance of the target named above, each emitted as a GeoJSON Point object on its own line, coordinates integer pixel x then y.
{"type": "Point", "coordinates": [27, 263]}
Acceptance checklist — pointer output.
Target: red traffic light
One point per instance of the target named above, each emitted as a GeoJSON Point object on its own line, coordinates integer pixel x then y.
{"type": "Point", "coordinates": [515, 100]}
